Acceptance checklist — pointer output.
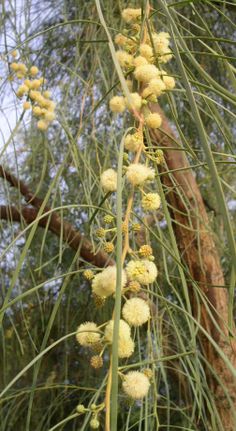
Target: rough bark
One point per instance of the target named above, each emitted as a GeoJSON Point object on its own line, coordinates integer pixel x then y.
{"type": "Point", "coordinates": [198, 251]}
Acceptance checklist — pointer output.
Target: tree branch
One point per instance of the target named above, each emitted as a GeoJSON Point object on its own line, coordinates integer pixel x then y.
{"type": "Point", "coordinates": [55, 224]}
{"type": "Point", "coordinates": [199, 252]}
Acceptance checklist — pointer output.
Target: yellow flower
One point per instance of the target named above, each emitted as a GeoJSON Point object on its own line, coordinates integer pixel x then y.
{"type": "Point", "coordinates": [125, 347]}
{"type": "Point", "coordinates": [96, 361]}
{"type": "Point", "coordinates": [125, 342]}
{"type": "Point", "coordinates": [124, 330]}
{"type": "Point", "coordinates": [35, 84]}
{"type": "Point", "coordinates": [167, 56]}
{"type": "Point", "coordinates": [133, 142]}
{"type": "Point", "coordinates": [28, 83]}
{"type": "Point", "coordinates": [108, 247]}
{"type": "Point", "coordinates": [147, 94]}
{"type": "Point", "coordinates": [88, 274]}
{"type": "Point", "coordinates": [136, 311]}
{"type": "Point", "coordinates": [14, 67]}
{"type": "Point", "coordinates": [26, 105]}
{"type": "Point", "coordinates": [34, 95]}
{"type": "Point", "coordinates": [22, 68]}
{"type": "Point", "coordinates": [143, 271]}
{"type": "Point", "coordinates": [20, 75]}
{"type": "Point", "coordinates": [104, 283]}
{"type": "Point", "coordinates": [42, 125]}
{"type": "Point", "coordinates": [146, 51]}
{"type": "Point", "coordinates": [109, 180]}
{"type": "Point", "coordinates": [50, 105]}
{"type": "Point", "coordinates": [131, 15]}
{"type": "Point", "coordinates": [47, 94]}
{"type": "Point", "coordinates": [126, 60]}
{"type": "Point", "coordinates": [153, 121]}
{"type": "Point", "coordinates": [136, 102]}
{"type": "Point", "coordinates": [161, 42]}
{"type": "Point", "coordinates": [156, 86]}
{"type": "Point", "coordinates": [37, 111]}
{"type": "Point", "coordinates": [137, 174]}
{"type": "Point", "coordinates": [108, 219]}
{"type": "Point", "coordinates": [34, 71]}
{"type": "Point", "coordinates": [22, 90]}
{"type": "Point", "coordinates": [145, 250]}
{"type": "Point", "coordinates": [117, 104]}
{"type": "Point", "coordinates": [134, 286]}
{"type": "Point", "coordinates": [87, 334]}
{"type": "Point", "coordinates": [136, 385]}
{"type": "Point", "coordinates": [100, 232]}
{"type": "Point", "coordinates": [146, 72]}
{"type": "Point", "coordinates": [43, 80]}
{"type": "Point", "coordinates": [169, 82]}
{"type": "Point", "coordinates": [151, 201]}
{"type": "Point", "coordinates": [49, 116]}
{"type": "Point", "coordinates": [140, 61]}
{"type": "Point", "coordinates": [120, 39]}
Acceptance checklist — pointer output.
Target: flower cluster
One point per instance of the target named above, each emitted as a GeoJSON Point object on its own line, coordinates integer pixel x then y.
{"type": "Point", "coordinates": [141, 55]}
{"type": "Point", "coordinates": [32, 90]}
{"type": "Point", "coordinates": [144, 61]}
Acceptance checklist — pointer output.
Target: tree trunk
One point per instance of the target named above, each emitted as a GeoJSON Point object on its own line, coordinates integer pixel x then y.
{"type": "Point", "coordinates": [198, 251]}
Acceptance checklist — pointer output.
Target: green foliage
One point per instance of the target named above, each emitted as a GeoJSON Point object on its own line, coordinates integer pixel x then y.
{"type": "Point", "coordinates": [41, 275]}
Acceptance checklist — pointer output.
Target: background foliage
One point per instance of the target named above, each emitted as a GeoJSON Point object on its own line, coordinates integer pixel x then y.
{"type": "Point", "coordinates": [67, 42]}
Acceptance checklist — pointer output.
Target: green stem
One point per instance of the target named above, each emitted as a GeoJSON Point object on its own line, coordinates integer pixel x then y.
{"type": "Point", "coordinates": [117, 309]}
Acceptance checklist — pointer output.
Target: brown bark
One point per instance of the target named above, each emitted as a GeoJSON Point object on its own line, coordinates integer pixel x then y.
{"type": "Point", "coordinates": [55, 224]}
{"type": "Point", "coordinates": [198, 251]}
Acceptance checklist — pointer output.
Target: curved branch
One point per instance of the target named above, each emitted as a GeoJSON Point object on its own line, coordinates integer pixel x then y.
{"type": "Point", "coordinates": [55, 224]}
{"type": "Point", "coordinates": [30, 198]}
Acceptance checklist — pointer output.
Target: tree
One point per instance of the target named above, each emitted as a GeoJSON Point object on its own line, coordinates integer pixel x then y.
{"type": "Point", "coordinates": [189, 343]}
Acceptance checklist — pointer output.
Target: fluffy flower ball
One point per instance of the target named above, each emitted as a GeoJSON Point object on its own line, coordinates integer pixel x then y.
{"type": "Point", "coordinates": [124, 330]}
{"type": "Point", "coordinates": [109, 180]}
{"type": "Point", "coordinates": [126, 60]}
{"type": "Point", "coordinates": [130, 15]}
{"type": "Point", "coordinates": [169, 82]}
{"type": "Point", "coordinates": [136, 101]}
{"type": "Point", "coordinates": [136, 311]}
{"type": "Point", "coordinates": [125, 342]}
{"type": "Point", "coordinates": [151, 201]}
{"type": "Point", "coordinates": [87, 334]}
{"type": "Point", "coordinates": [146, 51]}
{"type": "Point", "coordinates": [145, 73]}
{"type": "Point", "coordinates": [136, 385]}
{"type": "Point", "coordinates": [161, 42]}
{"type": "Point", "coordinates": [133, 141]}
{"type": "Point", "coordinates": [104, 283]}
{"type": "Point", "coordinates": [153, 121]}
{"type": "Point", "coordinates": [125, 347]}
{"type": "Point", "coordinates": [120, 39]}
{"type": "Point", "coordinates": [117, 104]}
{"type": "Point", "coordinates": [156, 86]}
{"type": "Point", "coordinates": [137, 174]}
{"type": "Point", "coordinates": [143, 271]}
{"type": "Point", "coordinates": [140, 61]}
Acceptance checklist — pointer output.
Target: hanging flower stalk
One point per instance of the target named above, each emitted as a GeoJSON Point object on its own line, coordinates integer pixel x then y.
{"type": "Point", "coordinates": [142, 53]}
{"type": "Point", "coordinates": [32, 92]}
